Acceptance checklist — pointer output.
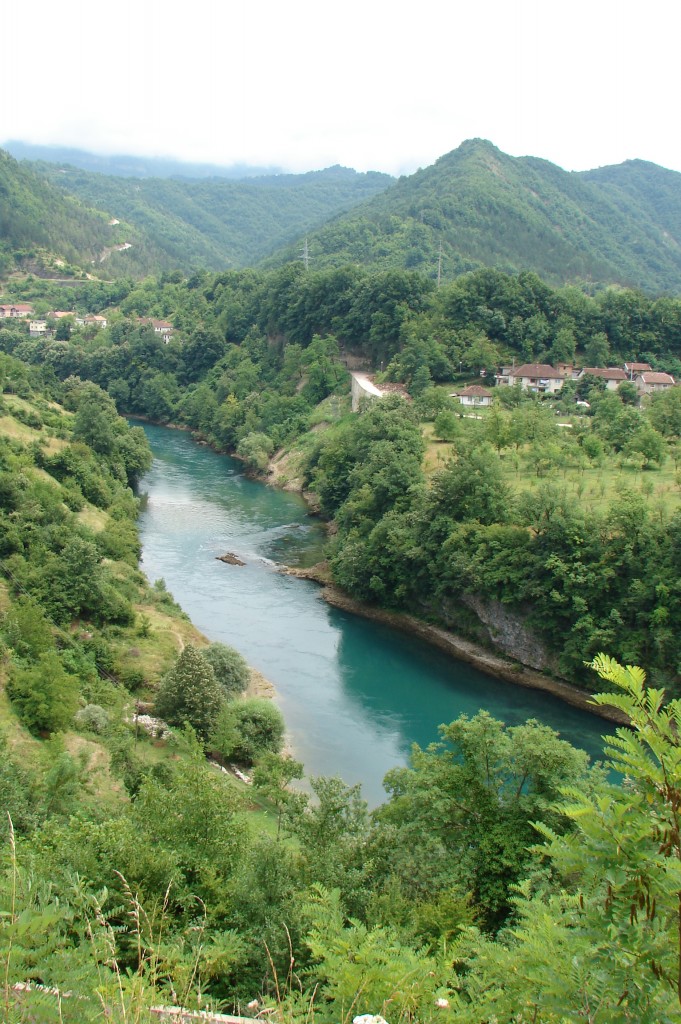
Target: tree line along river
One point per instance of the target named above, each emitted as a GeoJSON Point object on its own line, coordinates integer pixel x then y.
{"type": "Point", "coordinates": [355, 694]}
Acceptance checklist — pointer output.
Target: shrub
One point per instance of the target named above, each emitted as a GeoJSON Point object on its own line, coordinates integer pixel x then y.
{"type": "Point", "coordinates": [93, 718]}
{"type": "Point", "coordinates": [44, 696]}
{"type": "Point", "coordinates": [247, 729]}
{"type": "Point", "coordinates": [230, 669]}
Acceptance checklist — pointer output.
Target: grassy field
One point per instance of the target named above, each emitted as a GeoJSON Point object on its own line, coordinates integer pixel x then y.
{"type": "Point", "coordinates": [595, 485]}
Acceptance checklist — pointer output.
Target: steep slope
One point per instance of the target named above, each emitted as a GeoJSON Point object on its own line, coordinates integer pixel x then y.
{"type": "Point", "coordinates": [36, 216]}
{"type": "Point", "coordinates": [483, 207]}
{"type": "Point", "coordinates": [216, 223]}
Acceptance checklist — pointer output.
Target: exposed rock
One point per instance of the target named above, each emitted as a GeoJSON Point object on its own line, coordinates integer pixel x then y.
{"type": "Point", "coordinates": [230, 558]}
{"type": "Point", "coordinates": [508, 633]}
{"type": "Point", "coordinates": [465, 650]}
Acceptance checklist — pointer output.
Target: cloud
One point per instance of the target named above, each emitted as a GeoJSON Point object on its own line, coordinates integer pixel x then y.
{"type": "Point", "coordinates": [365, 84]}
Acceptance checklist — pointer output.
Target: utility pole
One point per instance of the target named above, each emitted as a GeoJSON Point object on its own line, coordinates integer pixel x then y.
{"type": "Point", "coordinates": [439, 266]}
{"type": "Point", "coordinates": [305, 254]}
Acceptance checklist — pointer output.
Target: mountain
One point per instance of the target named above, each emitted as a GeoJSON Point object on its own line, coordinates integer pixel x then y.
{"type": "Point", "coordinates": [41, 224]}
{"type": "Point", "coordinates": [476, 206]}
{"type": "Point", "coordinates": [214, 223]}
{"type": "Point", "coordinates": [131, 166]}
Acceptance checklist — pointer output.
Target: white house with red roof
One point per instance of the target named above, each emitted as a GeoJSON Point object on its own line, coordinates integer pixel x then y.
{"type": "Point", "coordinates": [95, 320]}
{"type": "Point", "coordinates": [475, 395]}
{"type": "Point", "coordinates": [16, 309]}
{"type": "Point", "coordinates": [632, 369]}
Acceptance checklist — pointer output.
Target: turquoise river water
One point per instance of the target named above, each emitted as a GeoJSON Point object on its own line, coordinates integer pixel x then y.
{"type": "Point", "coordinates": [355, 694]}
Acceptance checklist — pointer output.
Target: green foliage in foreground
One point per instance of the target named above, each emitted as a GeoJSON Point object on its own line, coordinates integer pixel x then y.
{"type": "Point", "coordinates": [176, 899]}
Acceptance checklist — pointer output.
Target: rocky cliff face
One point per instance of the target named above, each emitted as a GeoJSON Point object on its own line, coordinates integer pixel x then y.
{"type": "Point", "coordinates": [507, 632]}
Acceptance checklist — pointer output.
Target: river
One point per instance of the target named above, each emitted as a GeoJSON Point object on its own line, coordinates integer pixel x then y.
{"type": "Point", "coordinates": [355, 694]}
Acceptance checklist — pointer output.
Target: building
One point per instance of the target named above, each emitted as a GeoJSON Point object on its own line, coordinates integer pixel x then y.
{"type": "Point", "coordinates": [649, 383]}
{"type": "Point", "coordinates": [474, 395]}
{"type": "Point", "coordinates": [163, 328]}
{"type": "Point", "coordinates": [94, 320]}
{"type": "Point", "coordinates": [631, 369]}
{"type": "Point", "coordinates": [612, 375]}
{"type": "Point", "coordinates": [537, 377]}
{"type": "Point", "coordinates": [16, 310]}
{"type": "Point", "coordinates": [37, 328]}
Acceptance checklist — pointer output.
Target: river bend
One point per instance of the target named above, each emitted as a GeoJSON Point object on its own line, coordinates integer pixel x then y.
{"type": "Point", "coordinates": [355, 694]}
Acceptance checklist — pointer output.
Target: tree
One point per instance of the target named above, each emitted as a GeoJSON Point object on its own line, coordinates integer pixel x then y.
{"type": "Point", "coordinates": [255, 449]}
{"type": "Point", "coordinates": [628, 392]}
{"type": "Point", "coordinates": [247, 729]}
{"type": "Point", "coordinates": [421, 381]}
{"type": "Point", "coordinates": [446, 425]}
{"type": "Point", "coordinates": [476, 793]}
{"type": "Point", "coordinates": [45, 697]}
{"type": "Point", "coordinates": [606, 946]}
{"type": "Point", "coordinates": [272, 777]}
{"type": "Point", "coordinates": [190, 693]}
{"type": "Point", "coordinates": [597, 350]}
{"type": "Point", "coordinates": [231, 670]}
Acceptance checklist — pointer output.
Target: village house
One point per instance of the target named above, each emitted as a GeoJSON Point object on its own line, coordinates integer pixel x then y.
{"type": "Point", "coordinates": [612, 375]}
{"type": "Point", "coordinates": [59, 314]}
{"type": "Point", "coordinates": [38, 328]}
{"type": "Point", "coordinates": [94, 320]}
{"type": "Point", "coordinates": [162, 327]}
{"type": "Point", "coordinates": [631, 369]}
{"type": "Point", "coordinates": [474, 395]}
{"type": "Point", "coordinates": [16, 309]}
{"type": "Point", "coordinates": [648, 383]}
{"type": "Point", "coordinates": [539, 378]}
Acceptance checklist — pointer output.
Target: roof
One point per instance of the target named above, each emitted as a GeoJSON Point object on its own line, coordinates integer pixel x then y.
{"type": "Point", "coordinates": [536, 370]}
{"type": "Point", "coordinates": [155, 323]}
{"type": "Point", "coordinates": [25, 307]}
{"type": "Point", "coordinates": [657, 378]}
{"type": "Point", "coordinates": [475, 391]}
{"type": "Point", "coordinates": [609, 373]}
{"type": "Point", "coordinates": [637, 367]}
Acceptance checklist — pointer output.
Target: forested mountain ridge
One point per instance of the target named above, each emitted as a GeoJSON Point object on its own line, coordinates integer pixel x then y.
{"type": "Point", "coordinates": [478, 206]}
{"type": "Point", "coordinates": [215, 223]}
{"type": "Point", "coordinates": [36, 216]}
{"type": "Point", "coordinates": [474, 207]}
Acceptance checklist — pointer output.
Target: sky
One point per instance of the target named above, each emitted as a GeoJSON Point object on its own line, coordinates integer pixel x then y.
{"type": "Point", "coordinates": [367, 84]}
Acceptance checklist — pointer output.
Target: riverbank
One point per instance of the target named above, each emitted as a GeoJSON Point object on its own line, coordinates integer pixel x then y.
{"type": "Point", "coordinates": [491, 663]}
{"type": "Point", "coordinates": [456, 646]}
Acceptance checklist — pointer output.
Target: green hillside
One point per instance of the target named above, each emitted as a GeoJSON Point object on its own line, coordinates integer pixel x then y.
{"type": "Point", "coordinates": [484, 208]}
{"type": "Point", "coordinates": [216, 223]}
{"type": "Point", "coordinates": [38, 222]}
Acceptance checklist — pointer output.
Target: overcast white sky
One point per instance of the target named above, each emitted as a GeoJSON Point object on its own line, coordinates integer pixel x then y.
{"type": "Point", "coordinates": [370, 84]}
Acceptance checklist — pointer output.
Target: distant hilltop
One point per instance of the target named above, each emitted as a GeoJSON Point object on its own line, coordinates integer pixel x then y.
{"type": "Point", "coordinates": [126, 166]}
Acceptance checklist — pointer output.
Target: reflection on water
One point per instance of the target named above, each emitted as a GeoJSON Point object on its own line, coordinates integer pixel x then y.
{"type": "Point", "coordinates": [355, 694]}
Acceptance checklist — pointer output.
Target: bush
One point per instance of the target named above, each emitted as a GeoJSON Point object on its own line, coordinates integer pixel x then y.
{"type": "Point", "coordinates": [230, 669]}
{"type": "Point", "coordinates": [247, 729]}
{"type": "Point", "coordinates": [45, 697]}
{"type": "Point", "coordinates": [93, 718]}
